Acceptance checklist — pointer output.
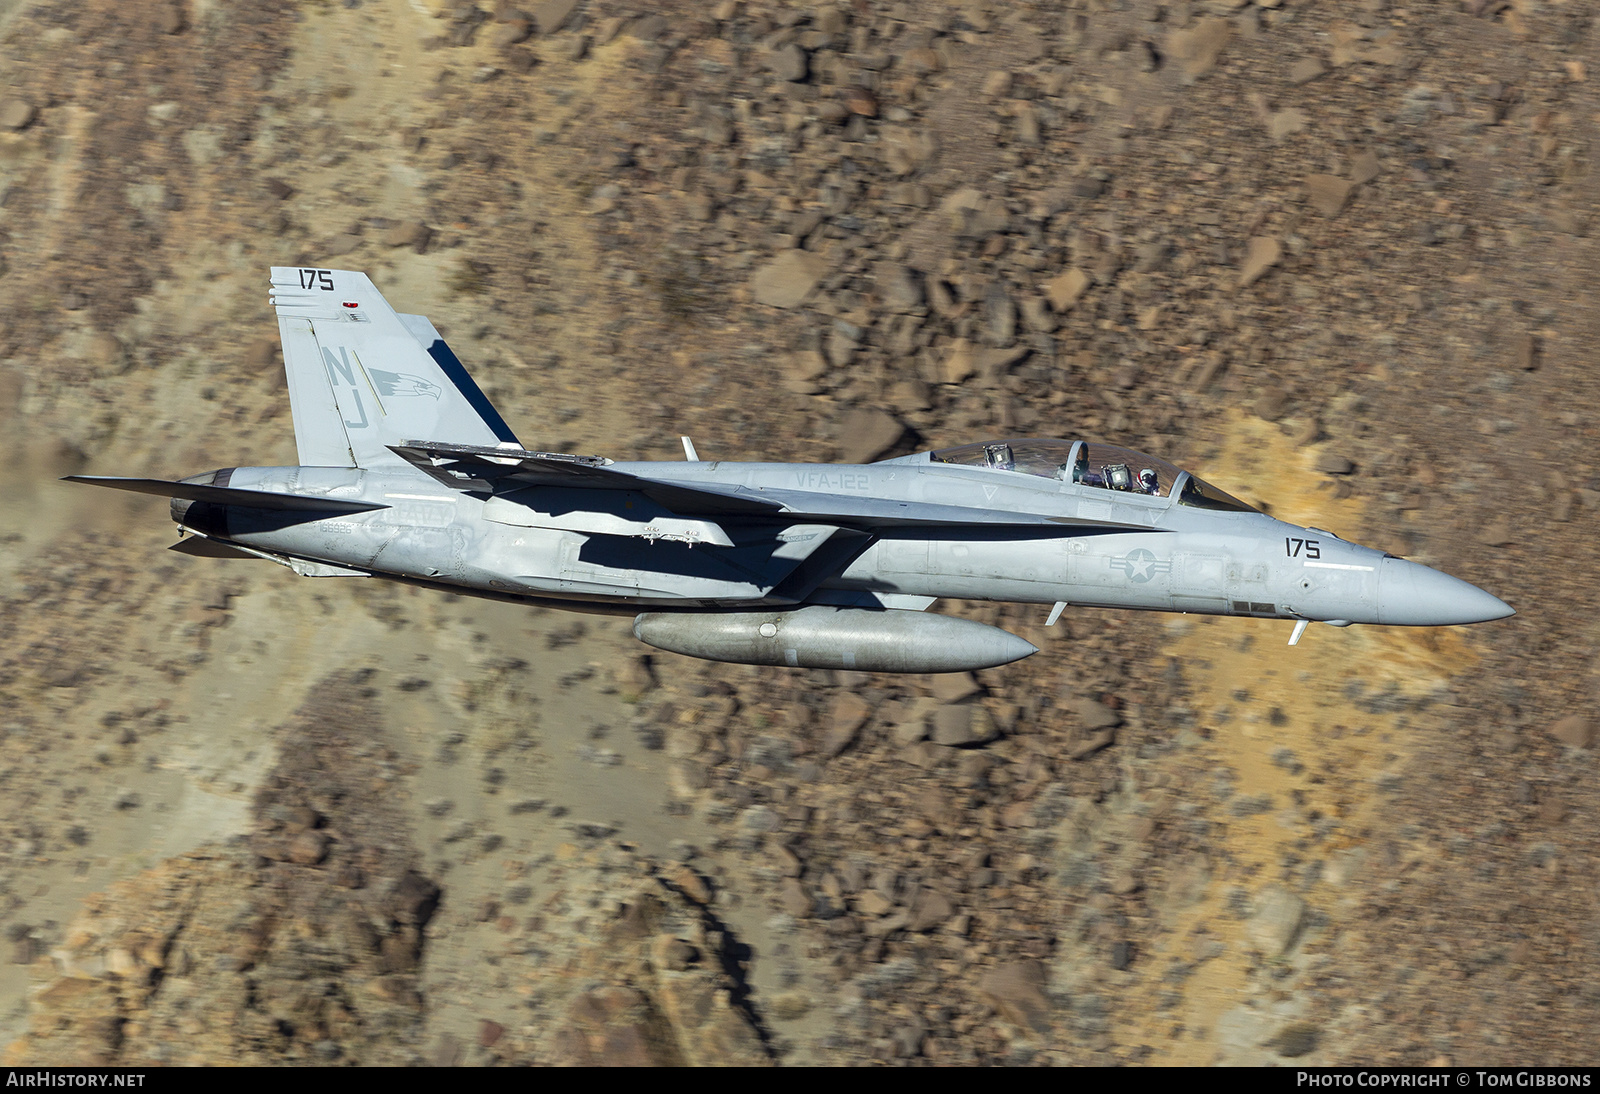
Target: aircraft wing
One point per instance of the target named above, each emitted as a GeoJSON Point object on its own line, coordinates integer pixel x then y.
{"type": "Point", "coordinates": [469, 467]}
{"type": "Point", "coordinates": [227, 495]}
{"type": "Point", "coordinates": [493, 470]}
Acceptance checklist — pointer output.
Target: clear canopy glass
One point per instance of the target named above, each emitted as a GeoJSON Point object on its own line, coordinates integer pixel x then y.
{"type": "Point", "coordinates": [1106, 466]}
{"type": "Point", "coordinates": [1202, 495]}
{"type": "Point", "coordinates": [1114, 468]}
{"type": "Point", "coordinates": [1030, 456]}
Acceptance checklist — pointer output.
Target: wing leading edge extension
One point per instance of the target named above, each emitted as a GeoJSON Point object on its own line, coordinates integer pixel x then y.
{"type": "Point", "coordinates": [496, 470]}
{"type": "Point", "coordinates": [491, 470]}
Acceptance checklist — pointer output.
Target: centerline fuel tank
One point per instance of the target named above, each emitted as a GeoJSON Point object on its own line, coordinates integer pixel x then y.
{"type": "Point", "coordinates": [822, 637]}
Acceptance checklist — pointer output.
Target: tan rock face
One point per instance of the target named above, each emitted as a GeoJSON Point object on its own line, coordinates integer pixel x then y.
{"type": "Point", "coordinates": [176, 987]}
{"type": "Point", "coordinates": [664, 999]}
{"type": "Point", "coordinates": [207, 959]}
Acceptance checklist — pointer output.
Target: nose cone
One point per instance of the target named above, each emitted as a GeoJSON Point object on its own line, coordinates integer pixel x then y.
{"type": "Point", "coordinates": [1013, 648]}
{"type": "Point", "coordinates": [1412, 595]}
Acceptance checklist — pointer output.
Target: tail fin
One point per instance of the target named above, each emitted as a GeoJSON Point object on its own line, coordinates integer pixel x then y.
{"type": "Point", "coordinates": [363, 377]}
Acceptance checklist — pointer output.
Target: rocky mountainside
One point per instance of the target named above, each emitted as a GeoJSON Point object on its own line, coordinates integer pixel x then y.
{"type": "Point", "coordinates": [1337, 258]}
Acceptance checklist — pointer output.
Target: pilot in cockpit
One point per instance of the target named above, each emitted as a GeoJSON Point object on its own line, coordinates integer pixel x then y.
{"type": "Point", "coordinates": [1149, 482]}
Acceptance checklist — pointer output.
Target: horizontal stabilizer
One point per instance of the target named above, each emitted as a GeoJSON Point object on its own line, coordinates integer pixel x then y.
{"type": "Point", "coordinates": [206, 547]}
{"type": "Point", "coordinates": [226, 495]}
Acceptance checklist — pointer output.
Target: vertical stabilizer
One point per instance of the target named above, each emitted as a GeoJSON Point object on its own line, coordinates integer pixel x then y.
{"type": "Point", "coordinates": [362, 377]}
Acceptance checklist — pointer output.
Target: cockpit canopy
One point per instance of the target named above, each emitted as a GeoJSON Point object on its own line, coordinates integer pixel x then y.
{"type": "Point", "coordinates": [1083, 463]}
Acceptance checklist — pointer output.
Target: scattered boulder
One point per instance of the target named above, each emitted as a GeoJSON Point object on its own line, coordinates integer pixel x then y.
{"type": "Point", "coordinates": [931, 910]}
{"type": "Point", "coordinates": [691, 884]}
{"type": "Point", "coordinates": [790, 63]}
{"type": "Point", "coordinates": [789, 279]}
{"type": "Point", "coordinates": [1364, 168]}
{"type": "Point", "coordinates": [1305, 70]}
{"type": "Point", "coordinates": [794, 900]}
{"type": "Point", "coordinates": [952, 687]}
{"type": "Point", "coordinates": [1063, 291]}
{"type": "Point", "coordinates": [1574, 730]}
{"type": "Point", "coordinates": [865, 434]}
{"type": "Point", "coordinates": [1295, 1040]}
{"type": "Point", "coordinates": [1262, 253]}
{"type": "Point", "coordinates": [1271, 404]}
{"type": "Point", "coordinates": [1497, 533]}
{"type": "Point", "coordinates": [511, 33]}
{"type": "Point", "coordinates": [552, 15]}
{"type": "Point", "coordinates": [1286, 123]}
{"type": "Point", "coordinates": [647, 28]}
{"type": "Point", "coordinates": [960, 362]}
{"type": "Point", "coordinates": [858, 100]}
{"type": "Point", "coordinates": [1093, 714]}
{"type": "Point", "coordinates": [1530, 350]}
{"type": "Point", "coordinates": [906, 150]}
{"type": "Point", "coordinates": [1018, 992]}
{"type": "Point", "coordinates": [409, 233]}
{"type": "Point", "coordinates": [899, 288]}
{"type": "Point", "coordinates": [1095, 742]}
{"type": "Point", "coordinates": [309, 848]}
{"type": "Point", "coordinates": [962, 724]}
{"type": "Point", "coordinates": [1275, 926]}
{"type": "Point", "coordinates": [1037, 314]}
{"type": "Point", "coordinates": [1197, 48]}
{"type": "Point", "coordinates": [1328, 193]}
{"type": "Point", "coordinates": [850, 713]}
{"type": "Point", "coordinates": [170, 19]}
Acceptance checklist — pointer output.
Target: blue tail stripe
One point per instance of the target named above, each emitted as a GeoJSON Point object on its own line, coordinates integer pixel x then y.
{"type": "Point", "coordinates": [457, 374]}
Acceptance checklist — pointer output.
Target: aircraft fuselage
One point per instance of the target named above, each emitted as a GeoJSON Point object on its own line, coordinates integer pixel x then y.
{"type": "Point", "coordinates": [1178, 558]}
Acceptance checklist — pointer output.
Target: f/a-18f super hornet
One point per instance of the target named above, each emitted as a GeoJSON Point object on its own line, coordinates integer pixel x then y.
{"type": "Point", "coordinates": [407, 472]}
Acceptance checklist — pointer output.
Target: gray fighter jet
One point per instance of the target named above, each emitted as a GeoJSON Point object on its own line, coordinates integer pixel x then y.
{"type": "Point", "coordinates": [408, 473]}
